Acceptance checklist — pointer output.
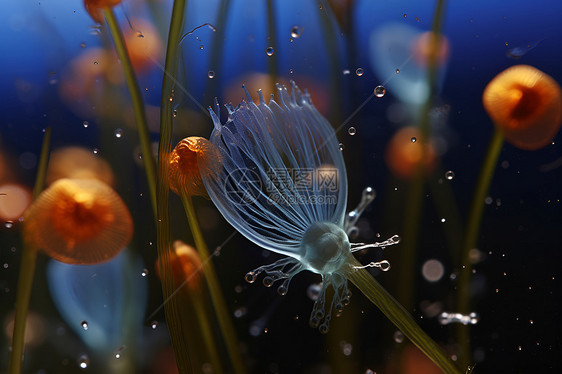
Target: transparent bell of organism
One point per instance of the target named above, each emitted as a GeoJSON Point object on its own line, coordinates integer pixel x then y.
{"type": "Point", "coordinates": [103, 303]}
{"type": "Point", "coordinates": [281, 181]}
{"type": "Point", "coordinates": [395, 48]}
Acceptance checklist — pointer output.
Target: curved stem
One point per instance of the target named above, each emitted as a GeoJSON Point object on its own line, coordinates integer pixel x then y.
{"type": "Point", "coordinates": [470, 241]}
{"type": "Point", "coordinates": [27, 271]}
{"type": "Point", "coordinates": [399, 317]}
{"type": "Point", "coordinates": [203, 318]}
{"type": "Point", "coordinates": [138, 104]}
{"type": "Point", "coordinates": [217, 297]}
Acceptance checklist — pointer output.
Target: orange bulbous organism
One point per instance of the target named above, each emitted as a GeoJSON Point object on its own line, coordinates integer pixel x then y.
{"type": "Point", "coordinates": [184, 172]}
{"type": "Point", "coordinates": [186, 266]}
{"type": "Point", "coordinates": [143, 45]}
{"type": "Point", "coordinates": [526, 105]}
{"type": "Point", "coordinates": [430, 47]}
{"type": "Point", "coordinates": [78, 163]}
{"type": "Point", "coordinates": [404, 153]}
{"type": "Point", "coordinates": [78, 221]}
{"type": "Point", "coordinates": [95, 8]}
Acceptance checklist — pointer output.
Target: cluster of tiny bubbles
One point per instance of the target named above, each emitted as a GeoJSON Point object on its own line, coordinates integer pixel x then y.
{"type": "Point", "coordinates": [359, 72]}
{"type": "Point", "coordinates": [144, 272]}
{"type": "Point", "coordinates": [86, 124]}
{"type": "Point", "coordinates": [211, 74]}
{"type": "Point", "coordinates": [83, 361]}
{"type": "Point", "coordinates": [447, 318]}
{"type": "Point", "coordinates": [84, 325]}
{"type": "Point", "coordinates": [296, 32]}
{"type": "Point", "coordinates": [119, 351]}
{"type": "Point", "coordinates": [346, 348]}
{"type": "Point", "coordinates": [269, 51]}
{"type": "Point", "coordinates": [413, 140]}
{"type": "Point", "coordinates": [352, 131]}
{"type": "Point", "coordinates": [341, 147]}
{"type": "Point", "coordinates": [449, 175]}
{"type": "Point", "coordinates": [380, 91]}
{"type": "Point", "coordinates": [313, 291]}
{"type": "Point", "coordinates": [154, 325]}
{"type": "Point", "coordinates": [118, 133]}
{"type": "Point", "coordinates": [398, 336]}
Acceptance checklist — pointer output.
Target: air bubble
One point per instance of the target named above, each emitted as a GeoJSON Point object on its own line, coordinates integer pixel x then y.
{"type": "Point", "coordinates": [341, 147]}
{"type": "Point", "coordinates": [295, 32]}
{"type": "Point", "coordinates": [118, 352]}
{"type": "Point", "coordinates": [144, 272]}
{"type": "Point", "coordinates": [346, 348]}
{"type": "Point", "coordinates": [269, 51]}
{"type": "Point", "coordinates": [83, 361]}
{"type": "Point", "coordinates": [380, 91]}
{"type": "Point", "coordinates": [352, 131]}
{"type": "Point", "coordinates": [413, 140]}
{"type": "Point", "coordinates": [398, 337]}
{"type": "Point", "coordinates": [346, 72]}
{"type": "Point", "coordinates": [240, 312]}
{"type": "Point", "coordinates": [211, 74]}
{"type": "Point", "coordinates": [84, 325]}
{"type": "Point", "coordinates": [397, 71]}
{"type": "Point", "coordinates": [86, 124]}
{"type": "Point", "coordinates": [82, 45]}
{"type": "Point", "coordinates": [118, 133]}
{"type": "Point", "coordinates": [450, 175]}
{"type": "Point", "coordinates": [359, 72]}
{"type": "Point", "coordinates": [154, 325]}
{"type": "Point", "coordinates": [95, 62]}
{"type": "Point", "coordinates": [313, 291]}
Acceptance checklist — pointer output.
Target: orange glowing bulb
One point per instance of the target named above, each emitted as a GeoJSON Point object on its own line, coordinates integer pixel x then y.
{"type": "Point", "coordinates": [78, 163]}
{"type": "Point", "coordinates": [143, 44]}
{"type": "Point", "coordinates": [79, 221]}
{"type": "Point", "coordinates": [184, 172]}
{"type": "Point", "coordinates": [186, 266]}
{"type": "Point", "coordinates": [430, 47]}
{"type": "Point", "coordinates": [404, 153]}
{"type": "Point", "coordinates": [526, 105]}
{"type": "Point", "coordinates": [95, 8]}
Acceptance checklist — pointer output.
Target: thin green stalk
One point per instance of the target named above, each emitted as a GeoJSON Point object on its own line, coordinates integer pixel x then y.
{"type": "Point", "coordinates": [137, 101]}
{"type": "Point", "coordinates": [272, 65]}
{"type": "Point", "coordinates": [217, 298]}
{"type": "Point", "coordinates": [27, 270]}
{"type": "Point", "coordinates": [172, 308]}
{"type": "Point", "coordinates": [470, 241]}
{"type": "Point", "coordinates": [399, 316]}
{"type": "Point", "coordinates": [203, 317]}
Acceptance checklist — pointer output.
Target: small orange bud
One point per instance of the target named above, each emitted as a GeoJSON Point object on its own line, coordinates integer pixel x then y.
{"type": "Point", "coordinates": [186, 265]}
{"type": "Point", "coordinates": [79, 221]}
{"type": "Point", "coordinates": [526, 105]}
{"type": "Point", "coordinates": [404, 152]}
{"type": "Point", "coordinates": [95, 8]}
{"type": "Point", "coordinates": [143, 44]}
{"type": "Point", "coordinates": [430, 47]}
{"type": "Point", "coordinates": [184, 170]}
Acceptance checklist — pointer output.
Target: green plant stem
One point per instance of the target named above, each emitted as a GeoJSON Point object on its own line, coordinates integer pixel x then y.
{"type": "Point", "coordinates": [223, 316]}
{"type": "Point", "coordinates": [27, 270]}
{"type": "Point", "coordinates": [138, 104]}
{"type": "Point", "coordinates": [172, 307]}
{"type": "Point", "coordinates": [203, 318]}
{"type": "Point", "coordinates": [470, 241]}
{"type": "Point", "coordinates": [272, 61]}
{"type": "Point", "coordinates": [399, 316]}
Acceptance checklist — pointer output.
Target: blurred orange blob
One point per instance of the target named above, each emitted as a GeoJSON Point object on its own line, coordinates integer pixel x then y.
{"type": "Point", "coordinates": [14, 201]}
{"type": "Point", "coordinates": [526, 105]}
{"type": "Point", "coordinates": [430, 47]}
{"type": "Point", "coordinates": [34, 328]}
{"type": "Point", "coordinates": [78, 163]}
{"type": "Point", "coordinates": [79, 221]}
{"type": "Point", "coordinates": [404, 153]}
{"type": "Point", "coordinates": [186, 266]}
{"type": "Point", "coordinates": [413, 361]}
{"type": "Point", "coordinates": [143, 44]}
{"type": "Point", "coordinates": [95, 8]}
{"type": "Point", "coordinates": [184, 173]}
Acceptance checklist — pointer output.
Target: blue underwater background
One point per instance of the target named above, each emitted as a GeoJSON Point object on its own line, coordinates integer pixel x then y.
{"type": "Point", "coordinates": [516, 279]}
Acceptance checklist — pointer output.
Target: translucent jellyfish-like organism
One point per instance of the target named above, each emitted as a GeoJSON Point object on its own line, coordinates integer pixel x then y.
{"type": "Point", "coordinates": [281, 182]}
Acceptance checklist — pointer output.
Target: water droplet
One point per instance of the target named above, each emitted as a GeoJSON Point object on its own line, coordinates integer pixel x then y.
{"type": "Point", "coordinates": [86, 124]}
{"type": "Point", "coordinates": [380, 91]}
{"type": "Point", "coordinates": [140, 34]}
{"type": "Point", "coordinates": [413, 140]}
{"type": "Point", "coordinates": [398, 337]}
{"type": "Point", "coordinates": [201, 47]}
{"type": "Point", "coordinates": [82, 45]}
{"type": "Point", "coordinates": [154, 325]}
{"type": "Point", "coordinates": [240, 312]}
{"type": "Point", "coordinates": [269, 51]}
{"type": "Point", "coordinates": [359, 72]}
{"type": "Point", "coordinates": [352, 131]}
{"type": "Point", "coordinates": [119, 351]}
{"type": "Point", "coordinates": [450, 175]}
{"type": "Point", "coordinates": [83, 361]}
{"type": "Point", "coordinates": [346, 348]}
{"type": "Point", "coordinates": [175, 113]}
{"type": "Point", "coordinates": [96, 151]}
{"type": "Point", "coordinates": [144, 272]}
{"type": "Point", "coordinates": [295, 32]}
{"type": "Point", "coordinates": [341, 147]}
{"type": "Point", "coordinates": [118, 133]}
{"type": "Point", "coordinates": [443, 220]}
{"type": "Point", "coordinates": [346, 72]}
{"type": "Point", "coordinates": [397, 71]}
{"type": "Point", "coordinates": [291, 71]}
{"type": "Point", "coordinates": [95, 62]}
{"type": "Point", "coordinates": [84, 325]}
{"type": "Point", "coordinates": [211, 74]}
{"type": "Point", "coordinates": [313, 291]}
{"type": "Point", "coordinates": [8, 224]}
